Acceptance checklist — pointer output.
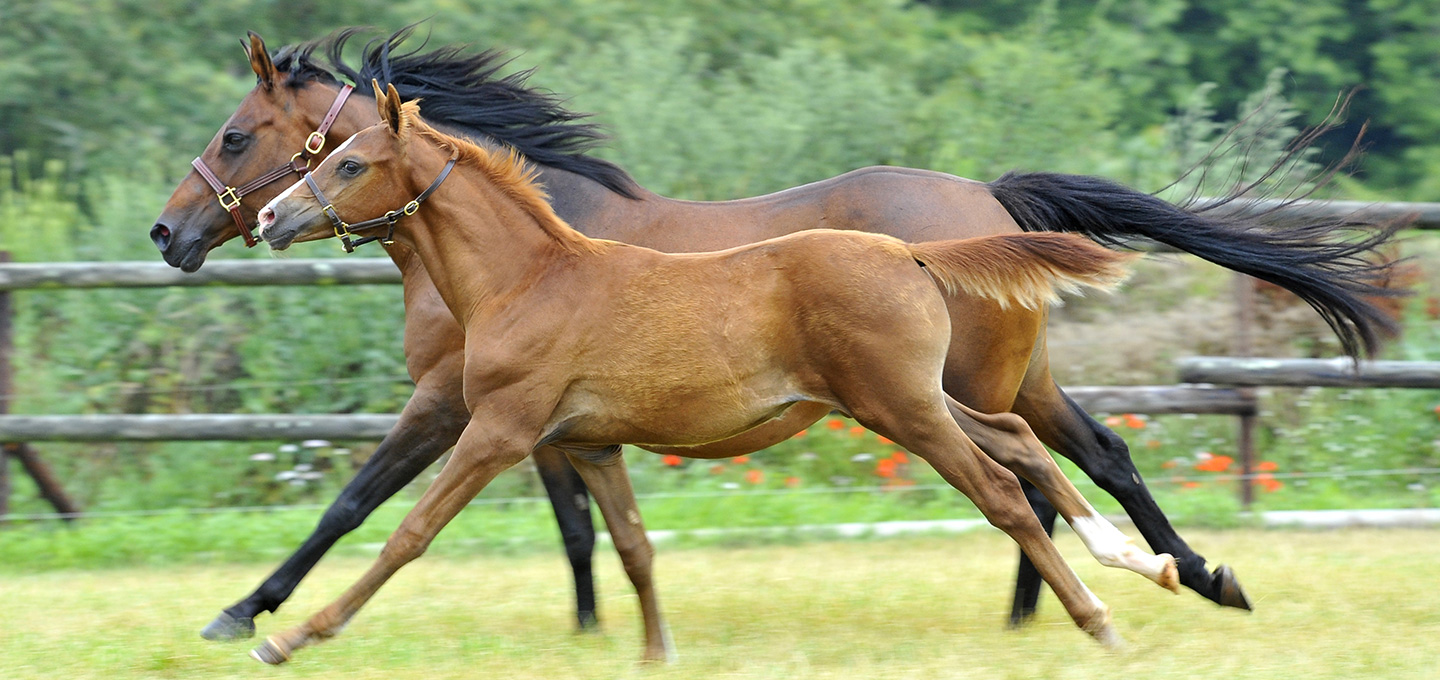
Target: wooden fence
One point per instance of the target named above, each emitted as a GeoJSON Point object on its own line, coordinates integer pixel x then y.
{"type": "Point", "coordinates": [1236, 376]}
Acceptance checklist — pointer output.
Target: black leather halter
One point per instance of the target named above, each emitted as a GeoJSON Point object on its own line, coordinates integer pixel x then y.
{"type": "Point", "coordinates": [344, 230]}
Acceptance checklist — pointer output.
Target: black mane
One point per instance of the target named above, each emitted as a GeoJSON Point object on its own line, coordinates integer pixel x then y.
{"type": "Point", "coordinates": [464, 91]}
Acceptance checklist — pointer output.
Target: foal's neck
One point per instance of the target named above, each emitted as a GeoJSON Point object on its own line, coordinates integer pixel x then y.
{"type": "Point", "coordinates": [480, 246]}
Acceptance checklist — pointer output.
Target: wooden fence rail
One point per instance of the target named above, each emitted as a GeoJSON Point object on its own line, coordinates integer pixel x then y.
{"type": "Point", "coordinates": [1338, 372]}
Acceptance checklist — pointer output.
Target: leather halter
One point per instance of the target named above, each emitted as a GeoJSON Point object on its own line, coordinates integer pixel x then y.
{"type": "Point", "coordinates": [343, 229]}
{"type": "Point", "coordinates": [299, 164]}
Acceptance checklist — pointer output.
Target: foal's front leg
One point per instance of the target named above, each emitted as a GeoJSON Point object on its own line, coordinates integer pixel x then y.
{"type": "Point", "coordinates": [604, 472]}
{"type": "Point", "coordinates": [485, 449]}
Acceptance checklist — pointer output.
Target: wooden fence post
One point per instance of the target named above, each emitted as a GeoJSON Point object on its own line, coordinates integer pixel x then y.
{"type": "Point", "coordinates": [49, 486]}
{"type": "Point", "coordinates": [1245, 347]}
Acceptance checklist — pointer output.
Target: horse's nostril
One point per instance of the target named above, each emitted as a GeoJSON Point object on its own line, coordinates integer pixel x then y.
{"type": "Point", "coordinates": [160, 234]}
{"type": "Point", "coordinates": [266, 217]}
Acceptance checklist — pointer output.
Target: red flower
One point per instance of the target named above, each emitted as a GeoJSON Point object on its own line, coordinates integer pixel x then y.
{"type": "Point", "coordinates": [1267, 466]}
{"type": "Point", "coordinates": [740, 460]}
{"type": "Point", "coordinates": [1191, 485]}
{"type": "Point", "coordinates": [1268, 482]}
{"type": "Point", "coordinates": [672, 460]}
{"type": "Point", "coordinates": [835, 423]}
{"type": "Point", "coordinates": [755, 476]}
{"type": "Point", "coordinates": [857, 431]}
{"type": "Point", "coordinates": [792, 482]}
{"type": "Point", "coordinates": [1215, 464]}
{"type": "Point", "coordinates": [1134, 422]}
{"type": "Point", "coordinates": [884, 440]}
{"type": "Point", "coordinates": [899, 457]}
{"type": "Point", "coordinates": [886, 467]}
{"type": "Point", "coordinates": [801, 433]}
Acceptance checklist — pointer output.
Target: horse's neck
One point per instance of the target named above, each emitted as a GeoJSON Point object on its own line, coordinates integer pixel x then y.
{"type": "Point", "coordinates": [481, 248]}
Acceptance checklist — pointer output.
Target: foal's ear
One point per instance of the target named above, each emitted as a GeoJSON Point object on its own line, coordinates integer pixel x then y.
{"type": "Point", "coordinates": [389, 106]}
{"type": "Point", "coordinates": [260, 60]}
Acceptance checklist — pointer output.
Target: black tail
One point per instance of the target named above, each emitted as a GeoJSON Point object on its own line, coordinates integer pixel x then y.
{"type": "Point", "coordinates": [1311, 260]}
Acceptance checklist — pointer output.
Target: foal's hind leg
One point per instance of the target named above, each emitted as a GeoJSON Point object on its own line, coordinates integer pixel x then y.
{"type": "Point", "coordinates": [934, 436]}
{"type": "Point", "coordinates": [609, 481]}
{"type": "Point", "coordinates": [1008, 439]}
{"type": "Point", "coordinates": [1103, 456]}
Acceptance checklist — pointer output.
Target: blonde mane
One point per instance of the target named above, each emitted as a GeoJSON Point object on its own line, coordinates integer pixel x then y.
{"type": "Point", "coordinates": [509, 172]}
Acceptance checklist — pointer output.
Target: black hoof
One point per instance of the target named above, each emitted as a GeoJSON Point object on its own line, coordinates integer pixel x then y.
{"type": "Point", "coordinates": [268, 653]}
{"type": "Point", "coordinates": [1019, 620]}
{"type": "Point", "coordinates": [588, 623]}
{"type": "Point", "coordinates": [1231, 594]}
{"type": "Point", "coordinates": [226, 627]}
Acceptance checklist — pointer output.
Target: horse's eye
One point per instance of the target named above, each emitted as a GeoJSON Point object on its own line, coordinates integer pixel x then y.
{"type": "Point", "coordinates": [349, 168]}
{"type": "Point", "coordinates": [235, 141]}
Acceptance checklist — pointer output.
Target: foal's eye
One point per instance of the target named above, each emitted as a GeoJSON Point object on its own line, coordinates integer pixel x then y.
{"type": "Point", "coordinates": [235, 141]}
{"type": "Point", "coordinates": [349, 168]}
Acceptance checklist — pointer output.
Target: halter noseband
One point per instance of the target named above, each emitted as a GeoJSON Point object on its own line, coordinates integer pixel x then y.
{"type": "Point", "coordinates": [343, 229]}
{"type": "Point", "coordinates": [299, 164]}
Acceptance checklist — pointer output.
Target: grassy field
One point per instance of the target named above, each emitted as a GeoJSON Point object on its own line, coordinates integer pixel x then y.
{"type": "Point", "coordinates": [1329, 605]}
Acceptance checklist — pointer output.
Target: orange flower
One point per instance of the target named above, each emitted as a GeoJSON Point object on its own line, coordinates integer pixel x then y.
{"type": "Point", "coordinates": [1215, 464]}
{"type": "Point", "coordinates": [857, 431]}
{"type": "Point", "coordinates": [1268, 482]}
{"type": "Point", "coordinates": [899, 457]}
{"type": "Point", "coordinates": [1191, 485]}
{"type": "Point", "coordinates": [740, 460]}
{"type": "Point", "coordinates": [792, 482]}
{"type": "Point", "coordinates": [1134, 422]}
{"type": "Point", "coordinates": [886, 467]}
{"type": "Point", "coordinates": [1114, 421]}
{"type": "Point", "coordinates": [717, 469]}
{"type": "Point", "coordinates": [755, 476]}
{"type": "Point", "coordinates": [801, 433]}
{"type": "Point", "coordinates": [884, 440]}
{"type": "Point", "coordinates": [835, 423]}
{"type": "Point", "coordinates": [1267, 466]}
{"type": "Point", "coordinates": [672, 460]}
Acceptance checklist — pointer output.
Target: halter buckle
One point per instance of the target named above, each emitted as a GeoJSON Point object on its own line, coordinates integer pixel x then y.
{"type": "Point", "coordinates": [229, 200]}
{"type": "Point", "coordinates": [411, 208]}
{"type": "Point", "coordinates": [300, 162]}
{"type": "Point", "coordinates": [315, 140]}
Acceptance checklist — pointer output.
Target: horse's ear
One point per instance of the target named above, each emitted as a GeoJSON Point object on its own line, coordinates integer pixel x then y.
{"type": "Point", "coordinates": [389, 106]}
{"type": "Point", "coordinates": [260, 60]}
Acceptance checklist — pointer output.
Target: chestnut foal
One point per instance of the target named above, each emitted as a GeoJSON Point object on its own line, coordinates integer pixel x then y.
{"type": "Point", "coordinates": [585, 344]}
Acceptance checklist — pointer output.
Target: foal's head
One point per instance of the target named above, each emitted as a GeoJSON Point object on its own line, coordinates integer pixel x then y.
{"type": "Point", "coordinates": [370, 175]}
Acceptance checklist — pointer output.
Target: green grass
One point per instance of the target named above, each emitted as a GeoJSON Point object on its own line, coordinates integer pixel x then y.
{"type": "Point", "coordinates": [1328, 605]}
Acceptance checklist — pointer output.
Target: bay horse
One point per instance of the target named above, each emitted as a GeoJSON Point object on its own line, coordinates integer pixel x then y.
{"type": "Point", "coordinates": [585, 344]}
{"type": "Point", "coordinates": [464, 95]}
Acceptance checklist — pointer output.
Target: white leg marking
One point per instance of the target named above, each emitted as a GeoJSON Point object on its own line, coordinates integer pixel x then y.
{"type": "Point", "coordinates": [1114, 549]}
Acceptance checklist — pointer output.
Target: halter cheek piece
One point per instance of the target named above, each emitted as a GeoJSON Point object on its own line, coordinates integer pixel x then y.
{"type": "Point", "coordinates": [299, 164]}
{"type": "Point", "coordinates": [343, 229]}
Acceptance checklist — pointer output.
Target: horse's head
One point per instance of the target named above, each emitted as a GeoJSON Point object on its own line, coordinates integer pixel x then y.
{"type": "Point", "coordinates": [270, 138]}
{"type": "Point", "coordinates": [369, 176]}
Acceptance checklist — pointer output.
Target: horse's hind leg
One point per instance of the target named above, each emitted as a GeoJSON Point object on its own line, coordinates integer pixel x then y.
{"type": "Point", "coordinates": [609, 482]}
{"type": "Point", "coordinates": [571, 502]}
{"type": "Point", "coordinates": [1102, 455]}
{"type": "Point", "coordinates": [934, 436]}
{"type": "Point", "coordinates": [1008, 439]}
{"type": "Point", "coordinates": [1027, 579]}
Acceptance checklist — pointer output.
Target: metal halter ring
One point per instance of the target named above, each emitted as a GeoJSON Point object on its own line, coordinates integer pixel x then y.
{"type": "Point", "coordinates": [229, 200]}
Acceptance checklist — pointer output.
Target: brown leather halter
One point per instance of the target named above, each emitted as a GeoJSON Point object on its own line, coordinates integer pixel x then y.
{"type": "Point", "coordinates": [299, 164]}
{"type": "Point", "coordinates": [343, 229]}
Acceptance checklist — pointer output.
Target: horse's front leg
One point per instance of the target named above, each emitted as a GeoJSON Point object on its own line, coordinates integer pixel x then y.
{"type": "Point", "coordinates": [430, 424]}
{"type": "Point", "coordinates": [486, 448]}
{"type": "Point", "coordinates": [604, 472]}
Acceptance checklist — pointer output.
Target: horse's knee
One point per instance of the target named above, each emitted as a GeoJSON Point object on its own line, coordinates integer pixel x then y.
{"type": "Point", "coordinates": [637, 559]}
{"type": "Point", "coordinates": [405, 545]}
